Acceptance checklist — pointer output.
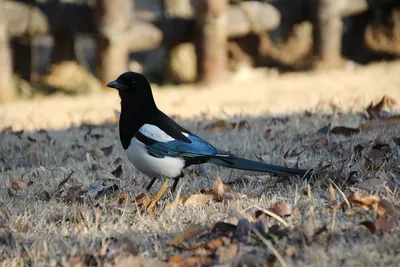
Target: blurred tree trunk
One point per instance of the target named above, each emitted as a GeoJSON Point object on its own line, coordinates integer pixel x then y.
{"type": "Point", "coordinates": [211, 39]}
{"type": "Point", "coordinates": [182, 57]}
{"type": "Point", "coordinates": [63, 48]}
{"type": "Point", "coordinates": [114, 19]}
{"type": "Point", "coordinates": [6, 85]}
{"type": "Point", "coordinates": [327, 31]}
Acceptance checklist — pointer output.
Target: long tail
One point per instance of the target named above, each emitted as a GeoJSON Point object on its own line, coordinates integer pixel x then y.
{"type": "Point", "coordinates": [250, 165]}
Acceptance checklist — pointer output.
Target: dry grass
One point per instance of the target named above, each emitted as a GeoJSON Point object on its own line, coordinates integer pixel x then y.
{"type": "Point", "coordinates": [38, 228]}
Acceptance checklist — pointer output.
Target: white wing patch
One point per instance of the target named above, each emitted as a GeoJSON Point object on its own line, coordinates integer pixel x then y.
{"type": "Point", "coordinates": [155, 133]}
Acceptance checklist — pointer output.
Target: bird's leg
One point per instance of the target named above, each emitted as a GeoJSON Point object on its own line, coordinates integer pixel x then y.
{"type": "Point", "coordinates": [176, 181]}
{"type": "Point", "coordinates": [151, 184]}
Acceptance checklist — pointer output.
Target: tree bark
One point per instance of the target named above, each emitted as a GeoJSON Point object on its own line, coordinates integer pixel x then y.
{"type": "Point", "coordinates": [327, 31]}
{"type": "Point", "coordinates": [114, 19]}
{"type": "Point", "coordinates": [6, 85]}
{"type": "Point", "coordinates": [210, 39]}
{"type": "Point", "coordinates": [63, 48]}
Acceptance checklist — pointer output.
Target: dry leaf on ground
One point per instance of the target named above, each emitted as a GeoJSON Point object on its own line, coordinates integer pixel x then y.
{"type": "Point", "coordinates": [219, 188]}
{"type": "Point", "coordinates": [369, 225]}
{"type": "Point", "coordinates": [83, 260]}
{"type": "Point", "coordinates": [18, 185]}
{"type": "Point", "coordinates": [188, 233]}
{"type": "Point", "coordinates": [346, 131]}
{"type": "Point", "coordinates": [282, 209]}
{"type": "Point", "coordinates": [365, 202]}
{"type": "Point", "coordinates": [190, 261]}
{"type": "Point", "coordinates": [114, 248]}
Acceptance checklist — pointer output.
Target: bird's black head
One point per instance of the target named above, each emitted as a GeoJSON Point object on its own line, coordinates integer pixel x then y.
{"type": "Point", "coordinates": [134, 89]}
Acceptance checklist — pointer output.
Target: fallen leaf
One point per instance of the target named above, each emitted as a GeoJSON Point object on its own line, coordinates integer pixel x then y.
{"type": "Point", "coordinates": [242, 231]}
{"type": "Point", "coordinates": [369, 225]}
{"type": "Point", "coordinates": [384, 224]}
{"type": "Point", "coordinates": [373, 159]}
{"type": "Point", "coordinates": [370, 200]}
{"type": "Point", "coordinates": [18, 185]}
{"type": "Point", "coordinates": [358, 150]}
{"type": "Point", "coordinates": [321, 142]}
{"type": "Point", "coordinates": [191, 261]}
{"type": "Point", "coordinates": [117, 172]}
{"type": "Point", "coordinates": [218, 126]}
{"type": "Point", "coordinates": [114, 248]}
{"type": "Point", "coordinates": [350, 212]}
{"type": "Point", "coordinates": [226, 254]}
{"type": "Point", "coordinates": [346, 131]}
{"type": "Point", "coordinates": [276, 230]}
{"type": "Point", "coordinates": [219, 188]}
{"type": "Point", "coordinates": [371, 184]}
{"type": "Point", "coordinates": [397, 140]}
{"type": "Point", "coordinates": [211, 245]}
{"type": "Point", "coordinates": [188, 233]}
{"type": "Point", "coordinates": [199, 200]}
{"type": "Point", "coordinates": [31, 139]}
{"type": "Point", "coordinates": [222, 228]}
{"type": "Point", "coordinates": [308, 228]}
{"type": "Point", "coordinates": [123, 198]}
{"type": "Point", "coordinates": [387, 207]}
{"type": "Point", "coordinates": [83, 260]}
{"type": "Point", "coordinates": [357, 200]}
{"type": "Point", "coordinates": [107, 150]}
{"type": "Point", "coordinates": [385, 148]}
{"type": "Point", "coordinates": [260, 226]}
{"type": "Point", "coordinates": [324, 130]}
{"type": "Point", "coordinates": [282, 209]}
{"type": "Point", "coordinates": [143, 199]}
{"type": "Point", "coordinates": [95, 189]}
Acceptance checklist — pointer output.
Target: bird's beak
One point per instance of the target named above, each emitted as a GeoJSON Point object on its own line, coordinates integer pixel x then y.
{"type": "Point", "coordinates": [115, 85]}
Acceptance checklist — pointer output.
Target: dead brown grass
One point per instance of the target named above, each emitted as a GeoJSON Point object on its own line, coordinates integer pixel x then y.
{"type": "Point", "coordinates": [39, 227]}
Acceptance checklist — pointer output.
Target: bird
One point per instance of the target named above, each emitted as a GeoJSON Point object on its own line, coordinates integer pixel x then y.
{"type": "Point", "coordinates": [160, 148]}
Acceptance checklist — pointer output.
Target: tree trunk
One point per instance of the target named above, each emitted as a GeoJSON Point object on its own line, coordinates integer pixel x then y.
{"type": "Point", "coordinates": [210, 39]}
{"type": "Point", "coordinates": [327, 31]}
{"type": "Point", "coordinates": [114, 19]}
{"type": "Point", "coordinates": [6, 85]}
{"type": "Point", "coordinates": [63, 48]}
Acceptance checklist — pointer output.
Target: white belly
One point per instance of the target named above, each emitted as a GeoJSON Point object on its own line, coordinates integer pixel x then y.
{"type": "Point", "coordinates": [153, 167]}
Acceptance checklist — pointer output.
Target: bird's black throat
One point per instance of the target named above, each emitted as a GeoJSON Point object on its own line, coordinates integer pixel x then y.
{"type": "Point", "coordinates": [136, 110]}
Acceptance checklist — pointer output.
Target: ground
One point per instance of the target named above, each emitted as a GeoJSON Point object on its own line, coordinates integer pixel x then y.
{"type": "Point", "coordinates": [45, 222]}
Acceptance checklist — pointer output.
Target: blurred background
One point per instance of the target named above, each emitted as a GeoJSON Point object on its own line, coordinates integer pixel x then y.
{"type": "Point", "coordinates": [75, 47]}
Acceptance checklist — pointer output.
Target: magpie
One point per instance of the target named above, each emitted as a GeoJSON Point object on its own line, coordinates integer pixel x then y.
{"type": "Point", "coordinates": [160, 148]}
